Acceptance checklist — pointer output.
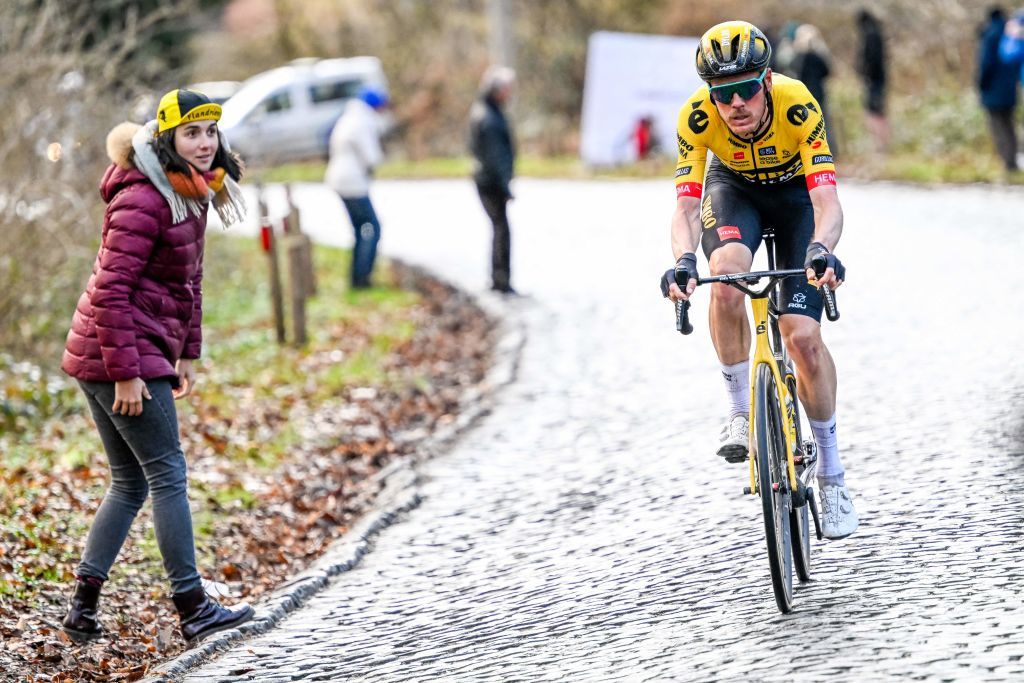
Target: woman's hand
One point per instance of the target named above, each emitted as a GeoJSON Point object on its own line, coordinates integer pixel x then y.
{"type": "Point", "coordinates": [128, 395]}
{"type": "Point", "coordinates": [186, 378]}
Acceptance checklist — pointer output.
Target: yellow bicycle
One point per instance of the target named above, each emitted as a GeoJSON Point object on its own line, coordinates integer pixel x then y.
{"type": "Point", "coordinates": [781, 463]}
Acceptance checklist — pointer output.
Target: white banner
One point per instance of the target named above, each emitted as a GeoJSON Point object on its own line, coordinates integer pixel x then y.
{"type": "Point", "coordinates": [631, 76]}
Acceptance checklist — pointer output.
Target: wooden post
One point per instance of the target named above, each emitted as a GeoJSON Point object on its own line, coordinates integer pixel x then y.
{"type": "Point", "coordinates": [297, 285]}
{"type": "Point", "coordinates": [294, 228]}
{"type": "Point", "coordinates": [307, 251]}
{"type": "Point", "coordinates": [270, 248]}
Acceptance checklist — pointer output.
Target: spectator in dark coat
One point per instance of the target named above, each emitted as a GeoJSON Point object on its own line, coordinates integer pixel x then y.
{"type": "Point", "coordinates": [494, 154]}
{"type": "Point", "coordinates": [134, 335]}
{"type": "Point", "coordinates": [1011, 46]}
{"type": "Point", "coordinates": [872, 67]}
{"type": "Point", "coordinates": [997, 84]}
{"type": "Point", "coordinates": [811, 65]}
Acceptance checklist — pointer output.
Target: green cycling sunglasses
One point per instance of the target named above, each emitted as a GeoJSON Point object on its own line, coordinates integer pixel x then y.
{"type": "Point", "coordinates": [745, 89]}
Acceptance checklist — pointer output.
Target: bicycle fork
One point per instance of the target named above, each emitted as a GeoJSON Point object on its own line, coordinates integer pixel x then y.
{"type": "Point", "coordinates": [763, 354]}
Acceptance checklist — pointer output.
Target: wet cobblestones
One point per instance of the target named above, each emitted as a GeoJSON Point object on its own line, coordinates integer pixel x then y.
{"type": "Point", "coordinates": [585, 531]}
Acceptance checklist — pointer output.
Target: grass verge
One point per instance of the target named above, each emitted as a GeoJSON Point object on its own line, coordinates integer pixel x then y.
{"type": "Point", "coordinates": [281, 443]}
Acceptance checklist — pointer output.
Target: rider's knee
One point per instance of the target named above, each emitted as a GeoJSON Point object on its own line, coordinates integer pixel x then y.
{"type": "Point", "coordinates": [724, 296]}
{"type": "Point", "coordinates": [725, 263]}
{"type": "Point", "coordinates": [803, 342]}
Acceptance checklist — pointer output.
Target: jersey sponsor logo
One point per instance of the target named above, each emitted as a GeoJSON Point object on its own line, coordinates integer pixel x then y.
{"type": "Point", "coordinates": [821, 158]}
{"type": "Point", "coordinates": [821, 178]}
{"type": "Point", "coordinates": [773, 175]}
{"type": "Point", "coordinates": [768, 167]}
{"type": "Point", "coordinates": [786, 153]}
{"type": "Point", "coordinates": [729, 232]}
{"type": "Point", "coordinates": [684, 146]}
{"type": "Point", "coordinates": [696, 104]}
{"type": "Point", "coordinates": [818, 130]}
{"type": "Point", "coordinates": [707, 214]}
{"type": "Point", "coordinates": [766, 151]}
{"type": "Point", "coordinates": [810, 105]}
{"type": "Point", "coordinates": [736, 143]}
{"type": "Point", "coordinates": [698, 121]}
{"type": "Point", "coordinates": [816, 144]}
{"type": "Point", "coordinates": [797, 114]}
{"type": "Point", "coordinates": [737, 156]}
{"type": "Point", "coordinates": [683, 171]}
{"type": "Point", "coordinates": [688, 190]}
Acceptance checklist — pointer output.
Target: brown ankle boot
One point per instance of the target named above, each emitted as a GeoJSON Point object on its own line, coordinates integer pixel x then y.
{"type": "Point", "coordinates": [81, 623]}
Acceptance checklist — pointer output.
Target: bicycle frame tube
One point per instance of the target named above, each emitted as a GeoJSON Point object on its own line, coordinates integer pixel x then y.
{"type": "Point", "coordinates": [763, 355]}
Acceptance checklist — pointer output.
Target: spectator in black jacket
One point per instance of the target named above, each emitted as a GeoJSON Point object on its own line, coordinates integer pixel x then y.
{"type": "Point", "coordinates": [811, 64]}
{"type": "Point", "coordinates": [997, 83]}
{"type": "Point", "coordinates": [494, 154]}
{"type": "Point", "coordinates": [872, 68]}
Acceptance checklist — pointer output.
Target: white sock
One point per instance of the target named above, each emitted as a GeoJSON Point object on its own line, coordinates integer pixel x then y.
{"type": "Point", "coordinates": [737, 383]}
{"type": "Point", "coordinates": [830, 468]}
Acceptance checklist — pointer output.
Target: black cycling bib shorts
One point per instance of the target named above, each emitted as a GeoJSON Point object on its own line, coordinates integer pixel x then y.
{"type": "Point", "coordinates": [736, 210]}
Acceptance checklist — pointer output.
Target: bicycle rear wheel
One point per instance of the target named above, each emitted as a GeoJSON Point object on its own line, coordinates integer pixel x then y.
{"type": "Point", "coordinates": [799, 523]}
{"type": "Point", "coordinates": [773, 486]}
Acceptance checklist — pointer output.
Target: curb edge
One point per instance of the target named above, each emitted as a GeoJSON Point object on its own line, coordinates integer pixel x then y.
{"type": "Point", "coordinates": [399, 493]}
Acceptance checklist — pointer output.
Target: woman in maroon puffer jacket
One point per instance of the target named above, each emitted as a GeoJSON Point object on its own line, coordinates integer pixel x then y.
{"type": "Point", "coordinates": [134, 335]}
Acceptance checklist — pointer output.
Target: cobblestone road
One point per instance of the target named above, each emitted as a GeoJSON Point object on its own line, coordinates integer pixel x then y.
{"type": "Point", "coordinates": [585, 531]}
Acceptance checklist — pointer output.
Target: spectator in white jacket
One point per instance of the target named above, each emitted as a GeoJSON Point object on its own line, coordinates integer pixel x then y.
{"type": "Point", "coordinates": [355, 151]}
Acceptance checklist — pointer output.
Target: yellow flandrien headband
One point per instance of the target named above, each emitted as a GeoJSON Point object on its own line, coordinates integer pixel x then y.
{"type": "Point", "coordinates": [184, 106]}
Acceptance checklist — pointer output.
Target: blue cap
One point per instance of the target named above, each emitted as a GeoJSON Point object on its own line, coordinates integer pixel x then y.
{"type": "Point", "coordinates": [373, 97]}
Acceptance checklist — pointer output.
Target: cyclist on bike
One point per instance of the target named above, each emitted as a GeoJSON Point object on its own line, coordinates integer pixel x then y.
{"type": "Point", "coordinates": [771, 166]}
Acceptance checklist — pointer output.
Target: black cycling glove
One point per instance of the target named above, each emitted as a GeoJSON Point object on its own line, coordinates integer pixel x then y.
{"type": "Point", "coordinates": [685, 268]}
{"type": "Point", "coordinates": [816, 251]}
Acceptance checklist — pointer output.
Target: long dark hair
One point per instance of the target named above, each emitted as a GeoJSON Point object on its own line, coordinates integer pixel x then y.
{"type": "Point", "coordinates": [170, 160]}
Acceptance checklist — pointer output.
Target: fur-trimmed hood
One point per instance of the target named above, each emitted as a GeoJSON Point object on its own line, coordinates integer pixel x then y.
{"type": "Point", "coordinates": [119, 144]}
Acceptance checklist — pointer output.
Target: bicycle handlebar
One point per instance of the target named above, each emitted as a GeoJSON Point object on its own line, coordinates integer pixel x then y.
{"type": "Point", "coordinates": [739, 281]}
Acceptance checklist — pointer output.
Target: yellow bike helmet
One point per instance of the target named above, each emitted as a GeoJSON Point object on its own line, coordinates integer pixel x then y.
{"type": "Point", "coordinates": [732, 47]}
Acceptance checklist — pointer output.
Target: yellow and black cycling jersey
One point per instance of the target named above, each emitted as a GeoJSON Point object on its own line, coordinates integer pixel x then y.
{"type": "Point", "coordinates": [792, 144]}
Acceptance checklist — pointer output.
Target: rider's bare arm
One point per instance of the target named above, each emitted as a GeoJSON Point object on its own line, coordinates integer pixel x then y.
{"type": "Point", "coordinates": [685, 237]}
{"type": "Point", "coordinates": [828, 225]}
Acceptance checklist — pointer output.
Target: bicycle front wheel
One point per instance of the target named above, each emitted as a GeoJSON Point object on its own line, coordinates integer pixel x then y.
{"type": "Point", "coordinates": [773, 485]}
{"type": "Point", "coordinates": [799, 523]}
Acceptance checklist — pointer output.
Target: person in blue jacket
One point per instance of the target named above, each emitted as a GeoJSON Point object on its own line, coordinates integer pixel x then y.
{"type": "Point", "coordinates": [1001, 65]}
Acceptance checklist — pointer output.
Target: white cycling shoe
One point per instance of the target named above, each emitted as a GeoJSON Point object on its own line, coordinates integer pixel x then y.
{"type": "Point", "coordinates": [735, 439]}
{"type": "Point", "coordinates": [838, 518]}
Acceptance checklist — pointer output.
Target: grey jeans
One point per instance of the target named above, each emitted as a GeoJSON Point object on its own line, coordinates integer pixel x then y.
{"type": "Point", "coordinates": [145, 456]}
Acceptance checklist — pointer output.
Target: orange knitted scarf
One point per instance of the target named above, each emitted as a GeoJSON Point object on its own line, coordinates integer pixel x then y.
{"type": "Point", "coordinates": [197, 185]}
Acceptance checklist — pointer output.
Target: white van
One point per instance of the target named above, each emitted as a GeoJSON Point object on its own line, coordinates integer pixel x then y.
{"type": "Point", "coordinates": [287, 113]}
